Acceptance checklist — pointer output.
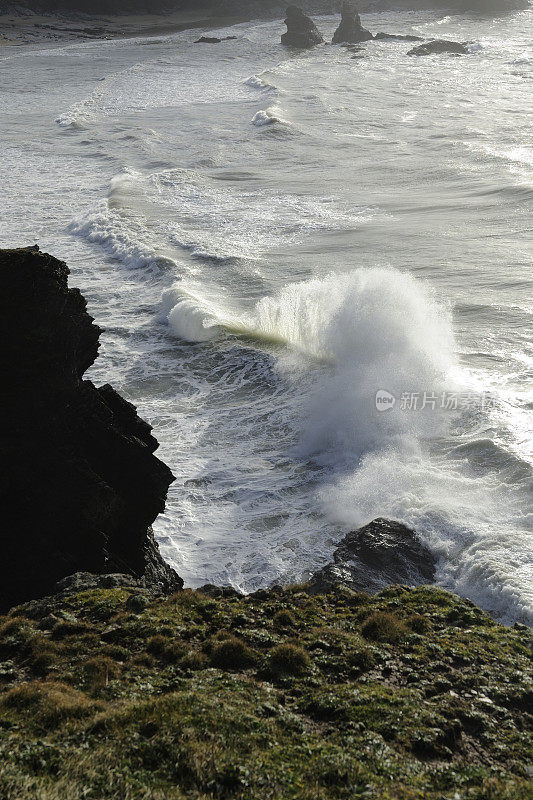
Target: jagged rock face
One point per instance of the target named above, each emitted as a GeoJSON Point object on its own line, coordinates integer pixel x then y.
{"type": "Point", "coordinates": [350, 29]}
{"type": "Point", "coordinates": [80, 485]}
{"type": "Point", "coordinates": [301, 30]}
{"type": "Point", "coordinates": [378, 555]}
{"type": "Point", "coordinates": [438, 46]}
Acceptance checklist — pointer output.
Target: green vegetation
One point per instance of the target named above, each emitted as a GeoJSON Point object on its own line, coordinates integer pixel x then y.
{"type": "Point", "coordinates": [407, 695]}
{"type": "Point", "coordinates": [383, 627]}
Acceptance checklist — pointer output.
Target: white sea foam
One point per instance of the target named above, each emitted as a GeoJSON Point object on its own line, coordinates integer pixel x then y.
{"type": "Point", "coordinates": [381, 329]}
{"type": "Point", "coordinates": [378, 329]}
{"type": "Point", "coordinates": [465, 516]}
{"type": "Point", "coordinates": [268, 116]}
{"type": "Point", "coordinates": [272, 414]}
{"type": "Point", "coordinates": [153, 84]}
{"type": "Point", "coordinates": [120, 228]}
{"type": "Point", "coordinates": [257, 82]}
{"type": "Point", "coordinates": [223, 221]}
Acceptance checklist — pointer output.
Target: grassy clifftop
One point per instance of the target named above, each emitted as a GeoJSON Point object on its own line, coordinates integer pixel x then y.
{"type": "Point", "coordinates": [412, 693]}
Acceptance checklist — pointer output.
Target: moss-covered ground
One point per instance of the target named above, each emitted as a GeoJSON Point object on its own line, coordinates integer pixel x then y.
{"type": "Point", "coordinates": [410, 694]}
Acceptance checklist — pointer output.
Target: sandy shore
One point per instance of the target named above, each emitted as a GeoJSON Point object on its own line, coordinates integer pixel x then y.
{"type": "Point", "coordinates": [33, 29]}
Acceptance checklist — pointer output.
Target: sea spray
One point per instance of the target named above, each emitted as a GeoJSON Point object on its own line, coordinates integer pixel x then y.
{"type": "Point", "coordinates": [382, 331]}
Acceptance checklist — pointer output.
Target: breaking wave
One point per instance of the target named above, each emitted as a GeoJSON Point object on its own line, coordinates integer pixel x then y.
{"type": "Point", "coordinates": [270, 116]}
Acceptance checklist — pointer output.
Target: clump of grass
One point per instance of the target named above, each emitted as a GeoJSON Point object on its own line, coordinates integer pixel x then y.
{"type": "Point", "coordinates": [143, 660]}
{"type": "Point", "coordinates": [284, 619]}
{"type": "Point", "coordinates": [136, 603]}
{"type": "Point", "coordinates": [194, 660]}
{"type": "Point", "coordinates": [383, 627]}
{"type": "Point", "coordinates": [116, 651]}
{"type": "Point", "coordinates": [156, 645]}
{"type": "Point", "coordinates": [42, 661]}
{"type": "Point", "coordinates": [418, 623]}
{"type": "Point", "coordinates": [363, 659]}
{"type": "Point", "coordinates": [232, 654]}
{"type": "Point", "coordinates": [100, 670]}
{"type": "Point", "coordinates": [355, 599]}
{"type": "Point", "coordinates": [11, 626]}
{"type": "Point", "coordinates": [288, 659]}
{"type": "Point", "coordinates": [15, 635]}
{"type": "Point", "coordinates": [66, 628]}
{"type": "Point", "coordinates": [174, 652]}
{"type": "Point", "coordinates": [49, 703]}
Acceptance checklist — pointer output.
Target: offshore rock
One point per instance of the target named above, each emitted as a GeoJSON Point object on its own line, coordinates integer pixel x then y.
{"type": "Point", "coordinates": [397, 37]}
{"type": "Point", "coordinates": [301, 30]}
{"type": "Point", "coordinates": [377, 555]}
{"type": "Point", "coordinates": [350, 29]}
{"type": "Point", "coordinates": [213, 39]}
{"type": "Point", "coordinates": [438, 46]}
{"type": "Point", "coordinates": [80, 485]}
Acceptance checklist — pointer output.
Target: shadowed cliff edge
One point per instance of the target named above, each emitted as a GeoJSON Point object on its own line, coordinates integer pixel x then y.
{"type": "Point", "coordinates": [80, 484]}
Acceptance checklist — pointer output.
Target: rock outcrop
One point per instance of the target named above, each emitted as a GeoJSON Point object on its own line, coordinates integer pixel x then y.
{"type": "Point", "coordinates": [213, 39]}
{"type": "Point", "coordinates": [398, 37]}
{"type": "Point", "coordinates": [438, 46]}
{"type": "Point", "coordinates": [80, 485]}
{"type": "Point", "coordinates": [350, 29]}
{"type": "Point", "coordinates": [377, 555]}
{"type": "Point", "coordinates": [301, 30]}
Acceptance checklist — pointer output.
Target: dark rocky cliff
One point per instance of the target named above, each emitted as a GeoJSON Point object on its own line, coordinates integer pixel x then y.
{"type": "Point", "coordinates": [80, 485]}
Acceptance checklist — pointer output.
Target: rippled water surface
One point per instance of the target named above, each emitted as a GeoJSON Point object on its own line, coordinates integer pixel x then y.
{"type": "Point", "coordinates": [269, 238]}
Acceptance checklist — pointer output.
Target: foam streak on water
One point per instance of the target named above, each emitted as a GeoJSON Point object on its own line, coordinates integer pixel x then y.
{"type": "Point", "coordinates": [269, 239]}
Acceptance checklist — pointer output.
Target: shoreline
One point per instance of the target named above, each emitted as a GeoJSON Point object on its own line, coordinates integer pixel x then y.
{"type": "Point", "coordinates": [41, 29]}
{"type": "Point", "coordinates": [28, 28]}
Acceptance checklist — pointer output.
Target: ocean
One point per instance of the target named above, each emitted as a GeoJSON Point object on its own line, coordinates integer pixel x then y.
{"type": "Point", "coordinates": [314, 274]}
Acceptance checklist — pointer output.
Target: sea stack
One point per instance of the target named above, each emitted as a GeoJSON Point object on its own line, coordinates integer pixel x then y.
{"type": "Point", "coordinates": [301, 30]}
{"type": "Point", "coordinates": [81, 485]}
{"type": "Point", "coordinates": [350, 30]}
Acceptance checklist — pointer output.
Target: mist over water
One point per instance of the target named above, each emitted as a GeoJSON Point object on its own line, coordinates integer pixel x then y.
{"type": "Point", "coordinates": [269, 240]}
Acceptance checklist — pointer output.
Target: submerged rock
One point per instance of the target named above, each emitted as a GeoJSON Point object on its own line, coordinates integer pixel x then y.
{"type": "Point", "coordinates": [377, 555]}
{"type": "Point", "coordinates": [301, 30]}
{"type": "Point", "coordinates": [397, 37]}
{"type": "Point", "coordinates": [213, 39]}
{"type": "Point", "coordinates": [438, 46]}
{"type": "Point", "coordinates": [80, 484]}
{"type": "Point", "coordinates": [350, 29]}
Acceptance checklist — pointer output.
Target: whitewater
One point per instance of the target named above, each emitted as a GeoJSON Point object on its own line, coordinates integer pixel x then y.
{"type": "Point", "coordinates": [313, 271]}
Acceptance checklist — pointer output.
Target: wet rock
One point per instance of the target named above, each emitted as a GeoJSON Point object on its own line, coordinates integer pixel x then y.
{"type": "Point", "coordinates": [375, 556]}
{"type": "Point", "coordinates": [350, 29]}
{"type": "Point", "coordinates": [80, 484]}
{"type": "Point", "coordinates": [397, 37]}
{"type": "Point", "coordinates": [438, 46]}
{"type": "Point", "coordinates": [301, 30]}
{"type": "Point", "coordinates": [213, 39]}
